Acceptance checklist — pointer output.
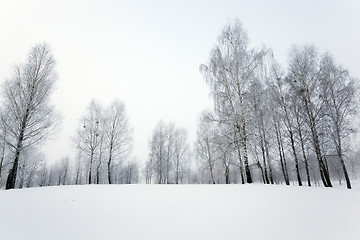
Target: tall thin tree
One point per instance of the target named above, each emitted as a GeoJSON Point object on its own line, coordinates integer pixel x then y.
{"type": "Point", "coordinates": [118, 135]}
{"type": "Point", "coordinates": [27, 113]}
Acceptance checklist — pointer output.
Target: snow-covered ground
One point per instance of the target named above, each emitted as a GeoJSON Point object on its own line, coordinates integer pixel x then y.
{"type": "Point", "coordinates": [180, 212]}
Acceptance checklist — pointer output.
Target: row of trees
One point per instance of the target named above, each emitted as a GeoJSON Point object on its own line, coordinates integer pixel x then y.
{"type": "Point", "coordinates": [269, 124]}
{"type": "Point", "coordinates": [169, 157]}
{"type": "Point", "coordinates": [27, 118]}
{"type": "Point", "coordinates": [35, 171]}
{"type": "Point", "coordinates": [273, 122]}
{"type": "Point", "coordinates": [103, 150]}
{"type": "Point", "coordinates": [104, 138]}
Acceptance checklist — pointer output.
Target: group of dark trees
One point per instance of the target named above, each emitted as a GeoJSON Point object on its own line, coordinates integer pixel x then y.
{"type": "Point", "coordinates": [269, 124]}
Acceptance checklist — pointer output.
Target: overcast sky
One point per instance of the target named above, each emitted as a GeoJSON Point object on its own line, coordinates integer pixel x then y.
{"type": "Point", "coordinates": [147, 53]}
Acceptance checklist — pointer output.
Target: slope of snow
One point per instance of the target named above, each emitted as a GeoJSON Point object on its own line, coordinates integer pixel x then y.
{"type": "Point", "coordinates": [180, 212]}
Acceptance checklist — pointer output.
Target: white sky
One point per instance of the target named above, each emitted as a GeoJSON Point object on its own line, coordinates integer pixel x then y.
{"type": "Point", "coordinates": [147, 53]}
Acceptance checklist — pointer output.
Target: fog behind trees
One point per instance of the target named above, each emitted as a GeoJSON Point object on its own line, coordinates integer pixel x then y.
{"type": "Point", "coordinates": [270, 123]}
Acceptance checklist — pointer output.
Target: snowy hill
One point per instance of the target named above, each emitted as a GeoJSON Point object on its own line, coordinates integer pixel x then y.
{"type": "Point", "coordinates": [180, 212]}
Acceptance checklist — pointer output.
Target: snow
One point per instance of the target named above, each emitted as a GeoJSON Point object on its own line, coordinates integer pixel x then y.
{"type": "Point", "coordinates": [180, 212]}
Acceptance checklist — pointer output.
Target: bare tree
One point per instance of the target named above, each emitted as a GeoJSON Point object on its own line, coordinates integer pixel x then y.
{"type": "Point", "coordinates": [296, 113]}
{"type": "Point", "coordinates": [260, 126]}
{"type": "Point", "coordinates": [229, 73]}
{"type": "Point", "coordinates": [157, 155]}
{"type": "Point", "coordinates": [168, 148]}
{"type": "Point", "coordinates": [260, 112]}
{"type": "Point", "coordinates": [181, 149]}
{"type": "Point", "coordinates": [88, 138]}
{"type": "Point", "coordinates": [205, 145]}
{"type": "Point", "coordinates": [118, 135]}
{"type": "Point", "coordinates": [339, 93]}
{"type": "Point", "coordinates": [43, 175]}
{"type": "Point", "coordinates": [78, 169]}
{"type": "Point", "coordinates": [223, 142]}
{"type": "Point", "coordinates": [280, 96]}
{"type": "Point", "coordinates": [305, 69]}
{"type": "Point", "coordinates": [148, 171]}
{"type": "Point", "coordinates": [27, 114]}
{"type": "Point", "coordinates": [131, 172]}
{"type": "Point", "coordinates": [100, 156]}
{"type": "Point", "coordinates": [280, 147]}
{"type": "Point", "coordinates": [31, 164]}
{"type": "Point", "coordinates": [64, 170]}
{"type": "Point", "coordinates": [238, 151]}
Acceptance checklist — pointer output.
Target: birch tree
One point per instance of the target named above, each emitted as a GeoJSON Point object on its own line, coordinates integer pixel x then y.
{"type": "Point", "coordinates": [305, 69]}
{"type": "Point", "coordinates": [88, 139]}
{"type": "Point", "coordinates": [157, 154]}
{"type": "Point", "coordinates": [229, 73]}
{"type": "Point", "coordinates": [339, 93]}
{"type": "Point", "coordinates": [118, 135]}
{"type": "Point", "coordinates": [205, 146]}
{"type": "Point", "coordinates": [181, 150]}
{"type": "Point", "coordinates": [27, 114]}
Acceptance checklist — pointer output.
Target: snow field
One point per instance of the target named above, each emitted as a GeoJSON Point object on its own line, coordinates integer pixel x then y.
{"type": "Point", "coordinates": [180, 212]}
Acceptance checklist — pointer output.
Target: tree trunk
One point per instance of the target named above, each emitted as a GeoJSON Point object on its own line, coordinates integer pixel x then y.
{"type": "Point", "coordinates": [262, 171]}
{"type": "Point", "coordinates": [43, 178]}
{"type": "Point", "coordinates": [258, 164]}
{"type": "Point", "coordinates": [339, 152]}
{"type": "Point", "coordinates": [246, 163]}
{"type": "Point", "coordinates": [283, 166]}
{"type": "Point", "coordinates": [77, 180]}
{"type": "Point", "coordinates": [240, 163]}
{"type": "Point", "coordinates": [109, 162]}
{"type": "Point", "coordinates": [268, 158]}
{"type": "Point", "coordinates": [98, 174]}
{"type": "Point", "coordinates": [50, 176]}
{"type": "Point", "coordinates": [212, 175]}
{"type": "Point", "coordinates": [2, 157]}
{"type": "Point", "coordinates": [91, 163]}
{"type": "Point", "coordinates": [177, 170]}
{"type": "Point", "coordinates": [303, 151]}
{"type": "Point", "coordinates": [264, 160]}
{"type": "Point", "coordinates": [210, 161]}
{"type": "Point", "coordinates": [167, 165]}
{"type": "Point", "coordinates": [21, 175]}
{"type": "Point", "coordinates": [323, 172]}
{"type": "Point", "coordinates": [160, 168]}
{"type": "Point", "coordinates": [236, 141]}
{"type": "Point", "coordinates": [227, 175]}
{"type": "Point", "coordinates": [283, 155]}
{"type": "Point", "coordinates": [295, 157]}
{"type": "Point", "coordinates": [348, 184]}
{"type": "Point", "coordinates": [292, 141]}
{"type": "Point", "coordinates": [11, 180]}
{"type": "Point", "coordinates": [246, 160]}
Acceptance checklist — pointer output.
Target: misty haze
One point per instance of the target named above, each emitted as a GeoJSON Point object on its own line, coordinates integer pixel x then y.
{"type": "Point", "coordinates": [179, 120]}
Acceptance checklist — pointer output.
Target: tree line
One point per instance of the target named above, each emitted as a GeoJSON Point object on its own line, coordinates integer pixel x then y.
{"type": "Point", "coordinates": [103, 140]}
{"type": "Point", "coordinates": [269, 124]}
